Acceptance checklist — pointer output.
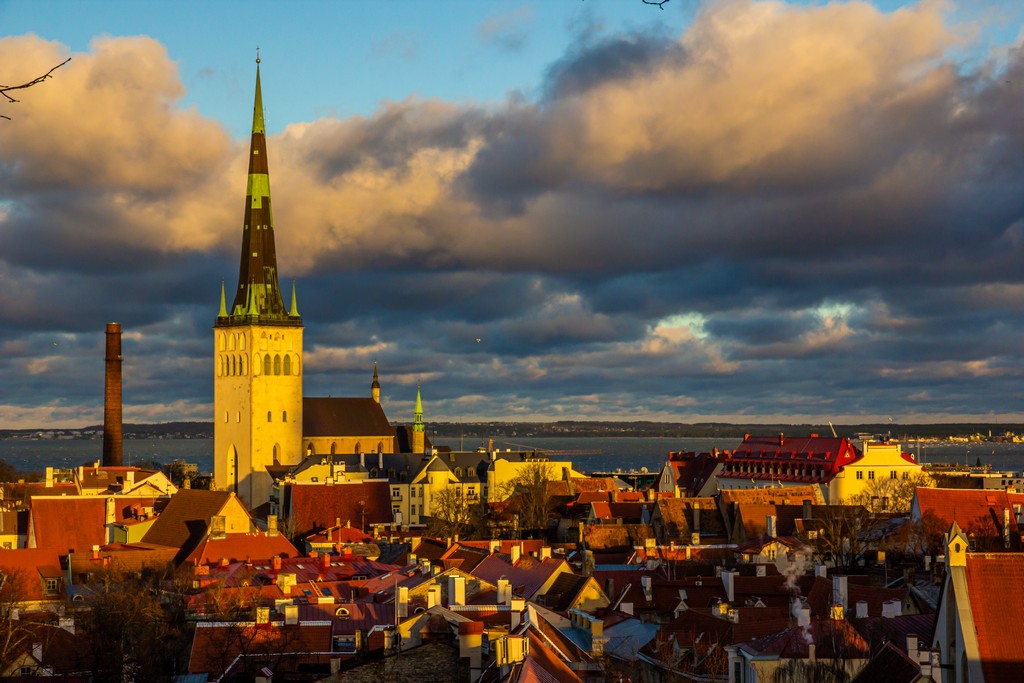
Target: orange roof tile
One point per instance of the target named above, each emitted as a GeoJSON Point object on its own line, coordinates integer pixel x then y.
{"type": "Point", "coordinates": [995, 588]}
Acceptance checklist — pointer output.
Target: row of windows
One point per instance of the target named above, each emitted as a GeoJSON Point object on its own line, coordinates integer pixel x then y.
{"type": "Point", "coordinates": [230, 342]}
{"type": "Point", "coordinates": [893, 474]}
{"type": "Point", "coordinates": [231, 365]}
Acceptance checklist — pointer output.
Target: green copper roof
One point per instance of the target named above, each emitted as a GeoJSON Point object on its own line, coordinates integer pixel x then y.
{"type": "Point", "coordinates": [295, 305]}
{"type": "Point", "coordinates": [417, 425]}
{"type": "Point", "coordinates": [223, 303]}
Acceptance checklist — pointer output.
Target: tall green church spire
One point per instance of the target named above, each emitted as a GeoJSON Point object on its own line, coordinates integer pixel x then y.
{"type": "Point", "coordinates": [258, 293]}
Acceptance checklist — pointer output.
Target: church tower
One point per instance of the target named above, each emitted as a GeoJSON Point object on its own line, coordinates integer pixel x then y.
{"type": "Point", "coordinates": [375, 386]}
{"type": "Point", "coordinates": [418, 440]}
{"type": "Point", "coordinates": [257, 396]}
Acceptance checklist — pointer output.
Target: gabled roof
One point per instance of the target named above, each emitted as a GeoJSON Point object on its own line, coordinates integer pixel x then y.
{"type": "Point", "coordinates": [344, 417]}
{"type": "Point", "coordinates": [677, 515]}
{"type": "Point", "coordinates": [257, 545]}
{"type": "Point", "coordinates": [215, 645]}
{"type": "Point", "coordinates": [526, 577]}
{"type": "Point", "coordinates": [691, 471]}
{"type": "Point", "coordinates": [995, 589]}
{"type": "Point", "coordinates": [889, 665]}
{"type": "Point", "coordinates": [617, 537]}
{"type": "Point", "coordinates": [26, 567]}
{"type": "Point", "coordinates": [69, 523]}
{"type": "Point", "coordinates": [317, 506]}
{"type": "Point", "coordinates": [185, 520]}
{"type": "Point", "coordinates": [832, 638]}
{"type": "Point", "coordinates": [978, 511]}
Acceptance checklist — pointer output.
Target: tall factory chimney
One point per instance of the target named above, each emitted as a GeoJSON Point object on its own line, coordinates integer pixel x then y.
{"type": "Point", "coordinates": [112, 440]}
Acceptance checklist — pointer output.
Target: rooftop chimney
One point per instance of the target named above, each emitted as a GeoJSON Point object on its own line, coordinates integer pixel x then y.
{"type": "Point", "coordinates": [112, 439]}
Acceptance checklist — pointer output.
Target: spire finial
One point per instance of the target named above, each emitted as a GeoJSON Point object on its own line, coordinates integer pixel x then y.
{"type": "Point", "coordinates": [257, 54]}
{"type": "Point", "coordinates": [223, 302]}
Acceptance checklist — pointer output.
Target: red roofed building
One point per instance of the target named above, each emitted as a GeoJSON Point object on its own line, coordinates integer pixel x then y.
{"type": "Point", "coordinates": [247, 647]}
{"type": "Point", "coordinates": [32, 578]}
{"type": "Point", "coordinates": [240, 547]}
{"type": "Point", "coordinates": [833, 464]}
{"type": "Point", "coordinates": [312, 507]}
{"type": "Point", "coordinates": [77, 523]}
{"type": "Point", "coordinates": [991, 518]}
{"type": "Point", "coordinates": [980, 627]}
{"type": "Point", "coordinates": [691, 475]}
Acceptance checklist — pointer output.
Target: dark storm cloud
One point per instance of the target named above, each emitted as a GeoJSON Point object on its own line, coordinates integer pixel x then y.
{"type": "Point", "coordinates": [787, 211]}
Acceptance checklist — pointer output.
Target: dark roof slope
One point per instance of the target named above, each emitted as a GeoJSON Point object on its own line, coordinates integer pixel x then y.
{"type": "Point", "coordinates": [184, 521]}
{"type": "Point", "coordinates": [345, 416]}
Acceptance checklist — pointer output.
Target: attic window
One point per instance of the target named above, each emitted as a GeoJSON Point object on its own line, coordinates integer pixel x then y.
{"type": "Point", "coordinates": [342, 612]}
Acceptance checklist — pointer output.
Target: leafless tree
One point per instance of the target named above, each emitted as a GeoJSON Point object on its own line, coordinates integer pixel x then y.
{"type": "Point", "coordinates": [452, 514]}
{"type": "Point", "coordinates": [6, 90]}
{"type": "Point", "coordinates": [892, 495]}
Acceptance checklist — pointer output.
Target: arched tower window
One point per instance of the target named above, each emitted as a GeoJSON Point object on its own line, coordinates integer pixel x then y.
{"type": "Point", "coordinates": [334, 447]}
{"type": "Point", "coordinates": [241, 342]}
{"type": "Point", "coordinates": [220, 366]}
{"type": "Point", "coordinates": [277, 454]}
{"type": "Point", "coordinates": [287, 364]}
{"type": "Point", "coordinates": [380, 446]}
{"type": "Point", "coordinates": [269, 415]}
{"type": "Point", "coordinates": [295, 365]}
{"type": "Point", "coordinates": [220, 341]}
{"type": "Point", "coordinates": [266, 364]}
{"type": "Point", "coordinates": [358, 448]}
{"type": "Point", "coordinates": [277, 365]}
{"type": "Point", "coordinates": [242, 361]}
{"type": "Point", "coordinates": [284, 416]}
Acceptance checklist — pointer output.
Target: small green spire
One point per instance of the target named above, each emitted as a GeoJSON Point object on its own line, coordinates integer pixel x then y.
{"type": "Point", "coordinates": [376, 382]}
{"type": "Point", "coordinates": [295, 306]}
{"type": "Point", "coordinates": [417, 425]}
{"type": "Point", "coordinates": [253, 309]}
{"type": "Point", "coordinates": [223, 303]}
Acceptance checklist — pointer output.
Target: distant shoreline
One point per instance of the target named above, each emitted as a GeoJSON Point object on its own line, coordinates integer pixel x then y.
{"type": "Point", "coordinates": [579, 428]}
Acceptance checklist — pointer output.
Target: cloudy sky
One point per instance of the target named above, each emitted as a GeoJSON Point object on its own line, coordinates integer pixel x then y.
{"type": "Point", "coordinates": [575, 209]}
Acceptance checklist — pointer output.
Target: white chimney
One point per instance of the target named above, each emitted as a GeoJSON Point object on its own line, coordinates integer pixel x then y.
{"type": "Point", "coordinates": [840, 591]}
{"type": "Point", "coordinates": [516, 551]}
{"type": "Point", "coordinates": [545, 553]}
{"type": "Point", "coordinates": [433, 596]}
{"type": "Point", "coordinates": [518, 605]}
{"type": "Point", "coordinates": [456, 590]}
{"type": "Point", "coordinates": [291, 614]}
{"type": "Point", "coordinates": [729, 582]}
{"type": "Point", "coordinates": [761, 570]}
{"type": "Point", "coordinates": [912, 651]}
{"type": "Point", "coordinates": [769, 527]}
{"type": "Point", "coordinates": [862, 609]}
{"type": "Point", "coordinates": [402, 605]}
{"type": "Point", "coordinates": [892, 609]}
{"type": "Point", "coordinates": [504, 592]}
{"type": "Point", "coordinates": [821, 570]}
{"type": "Point", "coordinates": [645, 582]}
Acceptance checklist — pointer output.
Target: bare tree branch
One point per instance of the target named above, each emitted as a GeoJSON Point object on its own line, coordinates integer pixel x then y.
{"type": "Point", "coordinates": [6, 90]}
{"type": "Point", "coordinates": [659, 3]}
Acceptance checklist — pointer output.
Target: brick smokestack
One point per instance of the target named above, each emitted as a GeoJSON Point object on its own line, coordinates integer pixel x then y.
{"type": "Point", "coordinates": [112, 440]}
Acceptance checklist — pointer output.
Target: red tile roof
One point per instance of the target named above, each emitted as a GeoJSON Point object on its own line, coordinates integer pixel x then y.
{"type": "Point", "coordinates": [215, 646]}
{"type": "Point", "coordinates": [977, 511]}
{"type": "Point", "coordinates": [995, 588]}
{"type": "Point", "coordinates": [68, 523]}
{"type": "Point", "coordinates": [789, 459]}
{"type": "Point", "coordinates": [241, 547]}
{"type": "Point", "coordinates": [25, 569]}
{"type": "Point", "coordinates": [317, 506]}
